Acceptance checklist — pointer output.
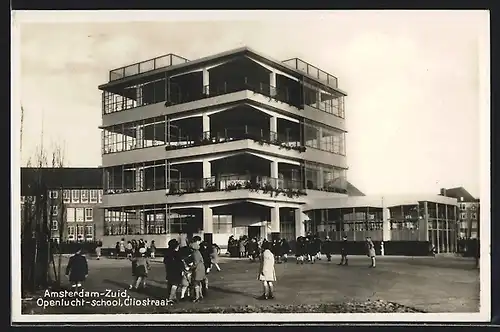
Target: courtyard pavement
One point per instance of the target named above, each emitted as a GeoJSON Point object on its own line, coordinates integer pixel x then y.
{"type": "Point", "coordinates": [441, 284]}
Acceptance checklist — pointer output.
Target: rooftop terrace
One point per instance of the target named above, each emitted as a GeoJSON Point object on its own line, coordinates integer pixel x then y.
{"type": "Point", "coordinates": [173, 59]}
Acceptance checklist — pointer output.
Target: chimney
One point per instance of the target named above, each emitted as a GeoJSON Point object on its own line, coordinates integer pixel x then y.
{"type": "Point", "coordinates": [443, 192]}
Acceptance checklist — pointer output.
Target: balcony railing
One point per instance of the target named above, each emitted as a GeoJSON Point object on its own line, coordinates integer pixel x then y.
{"type": "Point", "coordinates": [255, 183]}
{"type": "Point", "coordinates": [145, 66]}
{"type": "Point", "coordinates": [112, 102]}
{"type": "Point", "coordinates": [238, 133]}
{"type": "Point", "coordinates": [312, 71]}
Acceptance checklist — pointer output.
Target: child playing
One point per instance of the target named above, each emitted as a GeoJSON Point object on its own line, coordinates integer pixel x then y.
{"type": "Point", "coordinates": [140, 267]}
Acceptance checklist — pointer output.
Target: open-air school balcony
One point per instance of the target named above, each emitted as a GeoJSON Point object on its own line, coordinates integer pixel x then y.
{"type": "Point", "coordinates": [286, 140]}
{"type": "Point", "coordinates": [254, 183]}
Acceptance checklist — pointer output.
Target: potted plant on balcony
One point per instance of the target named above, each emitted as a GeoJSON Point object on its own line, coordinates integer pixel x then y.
{"type": "Point", "coordinates": [300, 148]}
{"type": "Point", "coordinates": [210, 186]}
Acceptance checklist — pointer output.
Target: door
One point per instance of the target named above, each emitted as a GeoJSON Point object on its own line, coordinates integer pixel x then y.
{"type": "Point", "coordinates": [253, 232]}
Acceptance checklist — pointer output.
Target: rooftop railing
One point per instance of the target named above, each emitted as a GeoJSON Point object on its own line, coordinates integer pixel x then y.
{"type": "Point", "coordinates": [312, 71]}
{"type": "Point", "coordinates": [145, 66]}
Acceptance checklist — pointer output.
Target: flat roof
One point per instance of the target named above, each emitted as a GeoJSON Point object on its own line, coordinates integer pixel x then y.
{"type": "Point", "coordinates": [63, 177]}
{"type": "Point", "coordinates": [377, 201]}
{"type": "Point", "coordinates": [242, 50]}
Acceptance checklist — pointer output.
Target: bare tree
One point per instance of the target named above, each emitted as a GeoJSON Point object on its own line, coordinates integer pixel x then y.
{"type": "Point", "coordinates": [37, 249]}
{"type": "Point", "coordinates": [58, 161]}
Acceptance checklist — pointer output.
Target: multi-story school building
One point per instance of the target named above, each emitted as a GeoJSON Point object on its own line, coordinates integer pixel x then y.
{"type": "Point", "coordinates": [239, 143]}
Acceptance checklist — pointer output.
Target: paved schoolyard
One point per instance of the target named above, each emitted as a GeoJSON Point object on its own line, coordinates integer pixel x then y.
{"type": "Point", "coordinates": [442, 284]}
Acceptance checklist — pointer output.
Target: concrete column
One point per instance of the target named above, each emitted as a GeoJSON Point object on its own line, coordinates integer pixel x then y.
{"type": "Point", "coordinates": [139, 179]}
{"type": "Point", "coordinates": [426, 220]}
{"type": "Point", "coordinates": [320, 137]}
{"type": "Point", "coordinates": [273, 128]}
{"type": "Point", "coordinates": [320, 178]}
{"type": "Point", "coordinates": [139, 136]}
{"type": "Point", "coordinates": [299, 223]}
{"type": "Point", "coordinates": [138, 96]}
{"type": "Point", "coordinates": [140, 219]}
{"type": "Point", "coordinates": [272, 83]}
{"type": "Point", "coordinates": [207, 169]}
{"type": "Point", "coordinates": [274, 171]}
{"type": "Point", "coordinates": [206, 125]}
{"type": "Point", "coordinates": [437, 229]}
{"type": "Point", "coordinates": [206, 82]}
{"type": "Point", "coordinates": [275, 222]}
{"type": "Point", "coordinates": [208, 224]}
{"type": "Point", "coordinates": [386, 223]}
{"type": "Point", "coordinates": [447, 228]}
{"type": "Point", "coordinates": [456, 228]}
{"type": "Point", "coordinates": [318, 99]}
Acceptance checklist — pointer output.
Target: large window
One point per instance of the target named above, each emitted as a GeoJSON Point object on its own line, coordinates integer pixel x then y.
{"type": "Point", "coordinates": [135, 95]}
{"type": "Point", "coordinates": [325, 177]}
{"type": "Point", "coordinates": [135, 220]}
{"type": "Point", "coordinates": [134, 135]}
{"type": "Point", "coordinates": [223, 224]}
{"type": "Point", "coordinates": [324, 138]}
{"type": "Point", "coordinates": [325, 101]}
{"type": "Point", "coordinates": [135, 177]}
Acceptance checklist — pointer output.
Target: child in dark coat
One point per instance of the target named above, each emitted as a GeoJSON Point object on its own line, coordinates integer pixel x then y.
{"type": "Point", "coordinates": [174, 267]}
{"type": "Point", "coordinates": [343, 251]}
{"type": "Point", "coordinates": [77, 269]}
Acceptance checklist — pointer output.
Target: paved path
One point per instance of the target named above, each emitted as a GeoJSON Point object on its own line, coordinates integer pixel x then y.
{"type": "Point", "coordinates": [443, 284]}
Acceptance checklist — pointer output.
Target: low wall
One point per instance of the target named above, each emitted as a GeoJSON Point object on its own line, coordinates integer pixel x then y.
{"type": "Point", "coordinates": [394, 248]}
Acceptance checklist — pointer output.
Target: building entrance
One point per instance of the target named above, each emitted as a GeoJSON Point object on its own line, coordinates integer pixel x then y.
{"type": "Point", "coordinates": [254, 232]}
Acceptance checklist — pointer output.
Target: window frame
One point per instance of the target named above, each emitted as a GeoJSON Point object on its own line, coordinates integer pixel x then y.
{"type": "Point", "coordinates": [83, 214]}
{"type": "Point", "coordinates": [75, 196]}
{"type": "Point", "coordinates": [93, 195]}
{"type": "Point", "coordinates": [68, 210]}
{"type": "Point", "coordinates": [66, 196]}
{"type": "Point", "coordinates": [84, 196]}
{"type": "Point", "coordinates": [86, 216]}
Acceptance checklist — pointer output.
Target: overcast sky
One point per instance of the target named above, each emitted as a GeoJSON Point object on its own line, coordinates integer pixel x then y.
{"type": "Point", "coordinates": [412, 80]}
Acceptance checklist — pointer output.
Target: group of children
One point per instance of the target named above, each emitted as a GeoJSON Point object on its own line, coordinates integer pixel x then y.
{"type": "Point", "coordinates": [187, 269]}
{"type": "Point", "coordinates": [130, 249]}
{"type": "Point", "coordinates": [309, 249]}
{"type": "Point", "coordinates": [252, 248]}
